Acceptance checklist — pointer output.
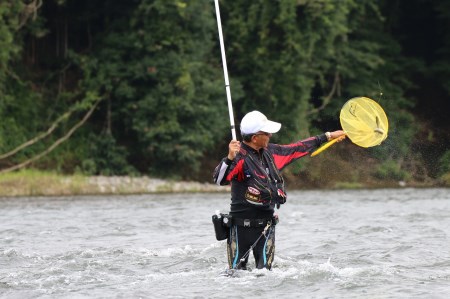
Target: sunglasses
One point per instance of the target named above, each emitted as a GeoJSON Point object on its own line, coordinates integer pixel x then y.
{"type": "Point", "coordinates": [263, 133]}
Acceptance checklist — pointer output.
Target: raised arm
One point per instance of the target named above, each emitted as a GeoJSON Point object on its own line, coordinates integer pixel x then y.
{"type": "Point", "coordinates": [286, 154]}
{"type": "Point", "coordinates": [223, 169]}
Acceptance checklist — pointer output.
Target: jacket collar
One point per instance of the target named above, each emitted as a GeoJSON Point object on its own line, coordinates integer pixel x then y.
{"type": "Point", "coordinates": [250, 149]}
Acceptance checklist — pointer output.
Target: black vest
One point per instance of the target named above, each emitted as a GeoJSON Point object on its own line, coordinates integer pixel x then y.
{"type": "Point", "coordinates": [262, 187]}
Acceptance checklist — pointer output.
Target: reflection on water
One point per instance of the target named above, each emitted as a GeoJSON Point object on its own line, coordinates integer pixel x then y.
{"type": "Point", "coordinates": [339, 244]}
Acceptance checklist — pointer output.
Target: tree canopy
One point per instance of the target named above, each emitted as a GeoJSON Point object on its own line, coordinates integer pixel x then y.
{"type": "Point", "coordinates": [151, 72]}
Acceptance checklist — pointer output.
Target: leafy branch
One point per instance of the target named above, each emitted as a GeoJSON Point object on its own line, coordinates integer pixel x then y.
{"type": "Point", "coordinates": [48, 132]}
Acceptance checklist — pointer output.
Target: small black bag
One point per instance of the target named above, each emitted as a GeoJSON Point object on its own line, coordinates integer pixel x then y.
{"type": "Point", "coordinates": [221, 224]}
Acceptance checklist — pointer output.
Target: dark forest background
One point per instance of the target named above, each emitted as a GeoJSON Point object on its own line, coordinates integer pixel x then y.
{"type": "Point", "coordinates": [136, 87]}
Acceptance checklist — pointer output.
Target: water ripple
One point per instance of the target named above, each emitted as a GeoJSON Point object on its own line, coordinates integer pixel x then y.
{"type": "Point", "coordinates": [330, 244]}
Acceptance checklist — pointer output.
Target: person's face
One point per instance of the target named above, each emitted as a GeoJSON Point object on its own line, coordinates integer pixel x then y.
{"type": "Point", "coordinates": [261, 139]}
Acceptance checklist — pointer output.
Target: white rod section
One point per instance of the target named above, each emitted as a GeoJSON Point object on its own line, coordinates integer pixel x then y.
{"type": "Point", "coordinates": [225, 71]}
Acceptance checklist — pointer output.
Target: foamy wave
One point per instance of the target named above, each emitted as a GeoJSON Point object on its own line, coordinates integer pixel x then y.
{"type": "Point", "coordinates": [186, 250]}
{"type": "Point", "coordinates": [13, 253]}
{"type": "Point", "coordinates": [293, 269]}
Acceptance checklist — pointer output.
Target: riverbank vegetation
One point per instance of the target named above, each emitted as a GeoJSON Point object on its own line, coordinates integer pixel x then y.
{"type": "Point", "coordinates": [45, 183]}
{"type": "Point", "coordinates": [314, 174]}
{"type": "Point", "coordinates": [135, 88]}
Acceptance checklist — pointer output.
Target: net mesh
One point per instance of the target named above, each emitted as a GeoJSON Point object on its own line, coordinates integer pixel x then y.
{"type": "Point", "coordinates": [364, 121]}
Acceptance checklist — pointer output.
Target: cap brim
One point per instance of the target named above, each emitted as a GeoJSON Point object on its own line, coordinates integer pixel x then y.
{"type": "Point", "coordinates": [271, 127]}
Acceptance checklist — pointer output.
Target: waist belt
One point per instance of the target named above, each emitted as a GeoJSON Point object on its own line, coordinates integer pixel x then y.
{"type": "Point", "coordinates": [252, 222]}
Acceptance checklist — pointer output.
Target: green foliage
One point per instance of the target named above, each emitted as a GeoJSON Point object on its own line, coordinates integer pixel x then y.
{"type": "Point", "coordinates": [444, 163]}
{"type": "Point", "coordinates": [391, 170]}
{"type": "Point", "coordinates": [9, 49]}
{"type": "Point", "coordinates": [273, 57]}
{"type": "Point", "coordinates": [369, 63]}
{"type": "Point", "coordinates": [165, 100]}
{"type": "Point", "coordinates": [157, 66]}
{"type": "Point", "coordinates": [9, 10]}
{"type": "Point", "coordinates": [106, 157]}
{"type": "Point", "coordinates": [18, 104]}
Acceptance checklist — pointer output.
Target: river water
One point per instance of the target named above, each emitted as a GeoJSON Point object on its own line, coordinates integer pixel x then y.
{"type": "Point", "coordinates": [391, 243]}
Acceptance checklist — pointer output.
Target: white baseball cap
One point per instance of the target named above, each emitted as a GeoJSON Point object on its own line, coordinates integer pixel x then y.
{"type": "Point", "coordinates": [255, 121]}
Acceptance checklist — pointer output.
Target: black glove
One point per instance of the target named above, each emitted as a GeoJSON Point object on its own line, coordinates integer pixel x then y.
{"type": "Point", "coordinates": [281, 198]}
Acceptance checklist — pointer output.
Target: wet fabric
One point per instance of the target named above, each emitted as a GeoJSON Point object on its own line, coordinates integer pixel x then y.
{"type": "Point", "coordinates": [240, 241]}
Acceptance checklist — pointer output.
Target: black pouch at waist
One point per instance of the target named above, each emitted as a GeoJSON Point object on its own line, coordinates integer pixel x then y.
{"type": "Point", "coordinates": [221, 223]}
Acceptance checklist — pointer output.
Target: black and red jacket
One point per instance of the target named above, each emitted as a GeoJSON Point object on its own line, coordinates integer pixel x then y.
{"type": "Point", "coordinates": [256, 183]}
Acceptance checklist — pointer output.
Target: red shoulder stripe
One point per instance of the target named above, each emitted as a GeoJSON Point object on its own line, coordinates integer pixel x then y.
{"type": "Point", "coordinates": [237, 171]}
{"type": "Point", "coordinates": [282, 161]}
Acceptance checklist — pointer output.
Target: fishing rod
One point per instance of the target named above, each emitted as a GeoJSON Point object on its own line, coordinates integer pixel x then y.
{"type": "Point", "coordinates": [225, 71]}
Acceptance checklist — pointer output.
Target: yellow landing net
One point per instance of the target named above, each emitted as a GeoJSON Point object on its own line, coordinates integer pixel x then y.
{"type": "Point", "coordinates": [363, 121]}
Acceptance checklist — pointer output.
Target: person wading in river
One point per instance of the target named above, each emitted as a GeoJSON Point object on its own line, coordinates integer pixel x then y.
{"type": "Point", "coordinates": [253, 169]}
